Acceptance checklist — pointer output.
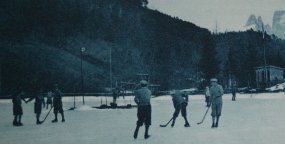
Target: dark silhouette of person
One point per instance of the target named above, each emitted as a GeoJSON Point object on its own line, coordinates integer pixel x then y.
{"type": "Point", "coordinates": [39, 104]}
{"type": "Point", "coordinates": [17, 107]}
{"type": "Point", "coordinates": [142, 99]}
{"type": "Point", "coordinates": [57, 104]}
{"type": "Point", "coordinates": [49, 99]}
{"type": "Point", "coordinates": [180, 102]}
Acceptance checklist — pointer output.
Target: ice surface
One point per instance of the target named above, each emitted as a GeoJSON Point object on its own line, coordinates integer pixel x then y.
{"type": "Point", "coordinates": [252, 119]}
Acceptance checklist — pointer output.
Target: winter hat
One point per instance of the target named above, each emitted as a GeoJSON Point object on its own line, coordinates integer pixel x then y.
{"type": "Point", "coordinates": [214, 80]}
{"type": "Point", "coordinates": [143, 82]}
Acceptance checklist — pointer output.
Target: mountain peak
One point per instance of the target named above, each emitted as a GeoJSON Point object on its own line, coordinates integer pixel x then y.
{"type": "Point", "coordinates": [278, 24]}
{"type": "Point", "coordinates": [251, 20]}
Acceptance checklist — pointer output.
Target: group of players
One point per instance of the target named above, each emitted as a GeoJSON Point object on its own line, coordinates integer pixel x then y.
{"type": "Point", "coordinates": [213, 94]}
{"type": "Point", "coordinates": [54, 98]}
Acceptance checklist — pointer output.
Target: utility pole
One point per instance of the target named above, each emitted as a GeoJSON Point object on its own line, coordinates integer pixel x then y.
{"type": "Point", "coordinates": [263, 38]}
{"type": "Point", "coordinates": [215, 31]}
{"type": "Point", "coordinates": [111, 80]}
{"type": "Point", "coordinates": [82, 84]}
{"type": "Point", "coordinates": [264, 56]}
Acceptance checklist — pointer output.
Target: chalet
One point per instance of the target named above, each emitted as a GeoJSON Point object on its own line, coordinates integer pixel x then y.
{"type": "Point", "coordinates": [267, 76]}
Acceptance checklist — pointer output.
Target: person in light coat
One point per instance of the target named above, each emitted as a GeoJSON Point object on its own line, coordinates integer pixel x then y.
{"type": "Point", "coordinates": [207, 97]}
{"type": "Point", "coordinates": [216, 93]}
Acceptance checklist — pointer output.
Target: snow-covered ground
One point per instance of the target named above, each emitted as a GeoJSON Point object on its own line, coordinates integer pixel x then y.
{"type": "Point", "coordinates": [252, 119]}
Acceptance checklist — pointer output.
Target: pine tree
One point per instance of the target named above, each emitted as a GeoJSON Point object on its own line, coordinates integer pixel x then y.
{"type": "Point", "coordinates": [209, 65]}
{"type": "Point", "coordinates": [231, 64]}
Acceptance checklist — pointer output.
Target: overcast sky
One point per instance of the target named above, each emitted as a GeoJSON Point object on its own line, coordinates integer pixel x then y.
{"type": "Point", "coordinates": [229, 14]}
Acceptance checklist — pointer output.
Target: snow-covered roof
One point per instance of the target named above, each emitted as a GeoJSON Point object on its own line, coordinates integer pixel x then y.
{"type": "Point", "coordinates": [268, 66]}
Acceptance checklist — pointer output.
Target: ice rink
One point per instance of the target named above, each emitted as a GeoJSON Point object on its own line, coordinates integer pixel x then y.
{"type": "Point", "coordinates": [252, 119]}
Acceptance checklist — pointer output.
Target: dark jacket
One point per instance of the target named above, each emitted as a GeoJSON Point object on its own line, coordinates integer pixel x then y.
{"type": "Point", "coordinates": [178, 98]}
{"type": "Point", "coordinates": [17, 103]}
{"type": "Point", "coordinates": [39, 102]}
{"type": "Point", "coordinates": [57, 96]}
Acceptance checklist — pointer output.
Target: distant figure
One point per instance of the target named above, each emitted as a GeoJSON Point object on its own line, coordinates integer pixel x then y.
{"type": "Point", "coordinates": [180, 102]}
{"type": "Point", "coordinates": [39, 104]}
{"type": "Point", "coordinates": [142, 99]}
{"type": "Point", "coordinates": [49, 99]}
{"type": "Point", "coordinates": [234, 93]}
{"type": "Point", "coordinates": [17, 107]}
{"type": "Point", "coordinates": [216, 92]}
{"type": "Point", "coordinates": [57, 104]}
{"type": "Point", "coordinates": [116, 94]}
{"type": "Point", "coordinates": [207, 97]}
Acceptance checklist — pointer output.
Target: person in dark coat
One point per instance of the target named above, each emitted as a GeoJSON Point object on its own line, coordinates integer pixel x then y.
{"type": "Point", "coordinates": [142, 99]}
{"type": "Point", "coordinates": [216, 92]}
{"type": "Point", "coordinates": [39, 104]}
{"type": "Point", "coordinates": [57, 104]}
{"type": "Point", "coordinates": [180, 102]}
{"type": "Point", "coordinates": [49, 99]}
{"type": "Point", "coordinates": [234, 90]}
{"type": "Point", "coordinates": [17, 107]}
{"type": "Point", "coordinates": [115, 94]}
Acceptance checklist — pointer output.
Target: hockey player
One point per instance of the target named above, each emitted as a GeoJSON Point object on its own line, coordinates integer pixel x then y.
{"type": "Point", "coordinates": [116, 94]}
{"type": "Point", "coordinates": [39, 104]}
{"type": "Point", "coordinates": [216, 92]}
{"type": "Point", "coordinates": [49, 99]}
{"type": "Point", "coordinates": [180, 102]}
{"type": "Point", "coordinates": [142, 99]}
{"type": "Point", "coordinates": [207, 96]}
{"type": "Point", "coordinates": [57, 104]}
{"type": "Point", "coordinates": [234, 93]}
{"type": "Point", "coordinates": [17, 107]}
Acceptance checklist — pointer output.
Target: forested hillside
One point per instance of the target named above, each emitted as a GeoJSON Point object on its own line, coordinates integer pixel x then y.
{"type": "Point", "coordinates": [40, 43]}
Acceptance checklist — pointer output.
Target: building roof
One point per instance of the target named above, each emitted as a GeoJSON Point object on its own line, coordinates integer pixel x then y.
{"type": "Point", "coordinates": [268, 66]}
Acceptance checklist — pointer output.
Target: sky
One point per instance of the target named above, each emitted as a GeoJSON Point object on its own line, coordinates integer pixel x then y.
{"type": "Point", "coordinates": [230, 15]}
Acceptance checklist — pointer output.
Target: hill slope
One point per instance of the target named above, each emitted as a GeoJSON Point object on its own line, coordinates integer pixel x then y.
{"type": "Point", "coordinates": [41, 41]}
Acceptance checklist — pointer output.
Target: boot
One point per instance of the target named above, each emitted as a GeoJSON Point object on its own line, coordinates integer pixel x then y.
{"type": "Point", "coordinates": [213, 125]}
{"type": "Point", "coordinates": [55, 118]}
{"type": "Point", "coordinates": [38, 119]}
{"type": "Point", "coordinates": [54, 121]}
{"type": "Point", "coordinates": [186, 122]}
{"type": "Point", "coordinates": [146, 135]}
{"type": "Point", "coordinates": [15, 121]}
{"type": "Point", "coordinates": [187, 125]}
{"type": "Point", "coordinates": [19, 122]}
{"type": "Point", "coordinates": [62, 116]}
{"type": "Point", "coordinates": [173, 122]}
{"type": "Point", "coordinates": [39, 122]}
{"type": "Point", "coordinates": [136, 132]}
{"type": "Point", "coordinates": [217, 123]}
{"type": "Point", "coordinates": [213, 122]}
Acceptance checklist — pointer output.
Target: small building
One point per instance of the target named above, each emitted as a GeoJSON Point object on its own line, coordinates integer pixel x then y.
{"type": "Point", "coordinates": [0, 78]}
{"type": "Point", "coordinates": [267, 76]}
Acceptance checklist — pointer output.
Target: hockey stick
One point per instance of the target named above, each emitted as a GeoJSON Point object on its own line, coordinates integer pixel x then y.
{"type": "Point", "coordinates": [167, 123]}
{"type": "Point", "coordinates": [47, 115]}
{"type": "Point", "coordinates": [204, 116]}
{"type": "Point", "coordinates": [206, 112]}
